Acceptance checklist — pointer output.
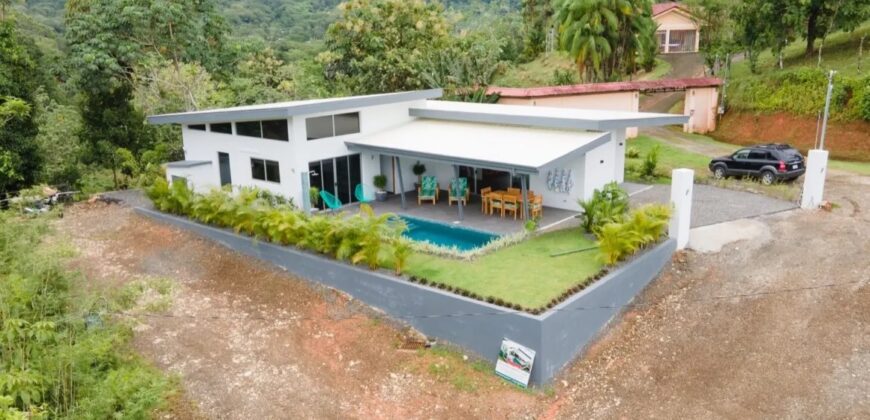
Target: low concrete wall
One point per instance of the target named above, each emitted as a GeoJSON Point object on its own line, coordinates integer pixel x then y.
{"type": "Point", "coordinates": [557, 336]}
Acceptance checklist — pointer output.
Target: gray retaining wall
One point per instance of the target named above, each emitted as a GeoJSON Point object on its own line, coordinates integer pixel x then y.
{"type": "Point", "coordinates": [557, 335]}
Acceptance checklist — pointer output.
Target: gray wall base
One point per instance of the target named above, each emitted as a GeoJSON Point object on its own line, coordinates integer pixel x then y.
{"type": "Point", "coordinates": [557, 336]}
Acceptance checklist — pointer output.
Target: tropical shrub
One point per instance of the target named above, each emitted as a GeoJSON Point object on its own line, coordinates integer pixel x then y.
{"type": "Point", "coordinates": [643, 226]}
{"type": "Point", "coordinates": [267, 216]}
{"type": "Point", "coordinates": [632, 152]}
{"type": "Point", "coordinates": [53, 364]}
{"type": "Point", "coordinates": [380, 181]}
{"type": "Point", "coordinates": [401, 251]}
{"type": "Point", "coordinates": [608, 204]}
{"type": "Point", "coordinates": [650, 162]}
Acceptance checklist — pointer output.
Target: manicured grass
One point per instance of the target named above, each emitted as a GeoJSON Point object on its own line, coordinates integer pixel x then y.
{"type": "Point", "coordinates": [525, 273]}
{"type": "Point", "coordinates": [670, 156]}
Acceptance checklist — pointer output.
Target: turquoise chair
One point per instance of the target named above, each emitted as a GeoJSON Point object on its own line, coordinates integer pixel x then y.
{"type": "Point", "coordinates": [363, 193]}
{"type": "Point", "coordinates": [458, 191]}
{"type": "Point", "coordinates": [330, 200]}
{"type": "Point", "coordinates": [428, 190]}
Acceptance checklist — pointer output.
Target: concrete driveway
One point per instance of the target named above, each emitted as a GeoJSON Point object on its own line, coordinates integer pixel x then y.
{"type": "Point", "coordinates": [711, 205]}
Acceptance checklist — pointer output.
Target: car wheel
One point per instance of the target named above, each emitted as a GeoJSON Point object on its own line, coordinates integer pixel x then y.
{"type": "Point", "coordinates": [767, 177]}
{"type": "Point", "coordinates": [719, 172]}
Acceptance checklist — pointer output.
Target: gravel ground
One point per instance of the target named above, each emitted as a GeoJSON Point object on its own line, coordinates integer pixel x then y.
{"type": "Point", "coordinates": [772, 328]}
{"type": "Point", "coordinates": [712, 205]}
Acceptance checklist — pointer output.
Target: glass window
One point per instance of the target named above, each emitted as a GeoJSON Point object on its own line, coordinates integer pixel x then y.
{"type": "Point", "coordinates": [258, 169]}
{"type": "Point", "coordinates": [346, 123]}
{"type": "Point", "coordinates": [226, 128]}
{"type": "Point", "coordinates": [249, 128]}
{"type": "Point", "coordinates": [275, 130]}
{"type": "Point", "coordinates": [200, 127]}
{"type": "Point", "coordinates": [742, 154]}
{"type": "Point", "coordinates": [758, 155]}
{"type": "Point", "coordinates": [318, 127]}
{"type": "Point", "coordinates": [273, 173]}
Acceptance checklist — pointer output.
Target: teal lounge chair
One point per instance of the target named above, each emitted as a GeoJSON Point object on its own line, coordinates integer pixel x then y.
{"type": "Point", "coordinates": [330, 200]}
{"type": "Point", "coordinates": [458, 191]}
{"type": "Point", "coordinates": [363, 193]}
{"type": "Point", "coordinates": [428, 190]}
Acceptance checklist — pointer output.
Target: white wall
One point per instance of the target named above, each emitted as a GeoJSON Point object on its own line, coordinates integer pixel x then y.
{"type": "Point", "coordinates": [619, 145]}
{"type": "Point", "coordinates": [600, 164]}
{"type": "Point", "coordinates": [293, 155]}
{"type": "Point", "coordinates": [555, 199]}
{"type": "Point", "coordinates": [205, 145]}
{"type": "Point", "coordinates": [199, 178]}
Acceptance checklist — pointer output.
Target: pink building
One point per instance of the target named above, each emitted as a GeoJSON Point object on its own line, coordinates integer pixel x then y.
{"type": "Point", "coordinates": [677, 32]}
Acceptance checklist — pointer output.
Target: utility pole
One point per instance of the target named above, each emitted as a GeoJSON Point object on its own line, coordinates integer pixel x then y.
{"type": "Point", "coordinates": [827, 108]}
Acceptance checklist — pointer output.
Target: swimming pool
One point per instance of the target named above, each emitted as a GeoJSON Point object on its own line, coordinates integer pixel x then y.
{"type": "Point", "coordinates": [443, 234]}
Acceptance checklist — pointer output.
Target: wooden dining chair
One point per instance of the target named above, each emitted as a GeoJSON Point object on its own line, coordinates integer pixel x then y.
{"type": "Point", "coordinates": [484, 200]}
{"type": "Point", "coordinates": [510, 204]}
{"type": "Point", "coordinates": [537, 206]}
{"type": "Point", "coordinates": [514, 191]}
{"type": "Point", "coordinates": [496, 201]}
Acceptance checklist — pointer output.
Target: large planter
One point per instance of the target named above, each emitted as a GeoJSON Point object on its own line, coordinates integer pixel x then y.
{"type": "Point", "coordinates": [381, 195]}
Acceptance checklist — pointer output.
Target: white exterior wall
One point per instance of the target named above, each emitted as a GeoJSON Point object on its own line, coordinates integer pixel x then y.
{"type": "Point", "coordinates": [199, 178]}
{"type": "Point", "coordinates": [619, 144]}
{"type": "Point", "coordinates": [205, 145]}
{"type": "Point", "coordinates": [292, 156]}
{"type": "Point", "coordinates": [599, 169]}
{"type": "Point", "coordinates": [702, 105]}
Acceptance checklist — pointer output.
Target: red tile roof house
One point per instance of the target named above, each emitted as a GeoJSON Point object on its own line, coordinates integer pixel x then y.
{"type": "Point", "coordinates": [678, 32]}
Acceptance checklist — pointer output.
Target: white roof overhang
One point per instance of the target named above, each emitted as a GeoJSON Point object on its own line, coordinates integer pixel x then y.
{"type": "Point", "coordinates": [499, 147]}
{"type": "Point", "coordinates": [542, 116]}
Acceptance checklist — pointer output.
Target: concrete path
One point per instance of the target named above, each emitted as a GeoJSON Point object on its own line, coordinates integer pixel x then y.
{"type": "Point", "coordinates": [711, 205]}
{"type": "Point", "coordinates": [682, 66]}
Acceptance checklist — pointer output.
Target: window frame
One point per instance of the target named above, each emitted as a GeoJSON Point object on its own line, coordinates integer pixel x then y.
{"type": "Point", "coordinates": [333, 131]}
{"type": "Point", "coordinates": [285, 130]}
{"type": "Point", "coordinates": [259, 126]}
{"type": "Point", "coordinates": [212, 130]}
{"type": "Point", "coordinates": [197, 127]}
{"type": "Point", "coordinates": [266, 172]}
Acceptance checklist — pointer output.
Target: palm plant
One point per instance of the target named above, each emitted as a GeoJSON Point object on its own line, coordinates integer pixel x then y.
{"type": "Point", "coordinates": [616, 241]}
{"type": "Point", "coordinates": [401, 251]}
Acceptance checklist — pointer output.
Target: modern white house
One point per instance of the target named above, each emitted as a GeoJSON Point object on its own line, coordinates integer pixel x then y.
{"type": "Point", "coordinates": [335, 144]}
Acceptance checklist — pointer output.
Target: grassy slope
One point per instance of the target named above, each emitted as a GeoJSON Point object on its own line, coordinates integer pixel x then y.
{"type": "Point", "coordinates": [539, 72]}
{"type": "Point", "coordinates": [839, 53]}
{"type": "Point", "coordinates": [524, 273]}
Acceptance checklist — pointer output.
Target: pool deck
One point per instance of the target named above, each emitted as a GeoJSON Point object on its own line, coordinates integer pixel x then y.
{"type": "Point", "coordinates": [473, 218]}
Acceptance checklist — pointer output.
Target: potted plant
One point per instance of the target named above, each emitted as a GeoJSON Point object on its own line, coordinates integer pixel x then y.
{"type": "Point", "coordinates": [380, 182]}
{"type": "Point", "coordinates": [419, 169]}
{"type": "Point", "coordinates": [314, 198]}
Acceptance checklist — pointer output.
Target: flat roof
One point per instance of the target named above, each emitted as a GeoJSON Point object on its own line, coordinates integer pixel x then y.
{"type": "Point", "coordinates": [610, 87]}
{"type": "Point", "coordinates": [287, 109]}
{"type": "Point", "coordinates": [542, 116]}
{"type": "Point", "coordinates": [500, 147]}
{"type": "Point", "coordinates": [187, 163]}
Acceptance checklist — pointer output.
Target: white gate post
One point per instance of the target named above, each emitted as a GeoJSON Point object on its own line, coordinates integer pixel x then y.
{"type": "Point", "coordinates": [682, 183]}
{"type": "Point", "coordinates": [814, 179]}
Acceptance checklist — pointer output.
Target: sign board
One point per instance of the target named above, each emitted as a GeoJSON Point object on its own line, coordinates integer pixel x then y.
{"type": "Point", "coordinates": [515, 362]}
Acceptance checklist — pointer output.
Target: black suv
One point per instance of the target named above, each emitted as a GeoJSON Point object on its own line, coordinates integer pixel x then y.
{"type": "Point", "coordinates": [768, 162]}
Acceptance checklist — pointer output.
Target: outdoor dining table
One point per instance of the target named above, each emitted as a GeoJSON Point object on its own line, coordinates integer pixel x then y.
{"type": "Point", "coordinates": [518, 195]}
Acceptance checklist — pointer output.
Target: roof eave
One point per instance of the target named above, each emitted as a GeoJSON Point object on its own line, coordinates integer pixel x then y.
{"type": "Point", "coordinates": [226, 115]}
{"type": "Point", "coordinates": [522, 169]}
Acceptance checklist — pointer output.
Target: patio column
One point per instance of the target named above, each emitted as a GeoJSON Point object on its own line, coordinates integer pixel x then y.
{"type": "Point", "coordinates": [401, 183]}
{"type": "Point", "coordinates": [450, 186]}
{"type": "Point", "coordinates": [525, 196]}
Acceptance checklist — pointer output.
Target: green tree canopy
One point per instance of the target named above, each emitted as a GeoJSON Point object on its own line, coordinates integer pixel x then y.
{"type": "Point", "coordinates": [381, 45]}
{"type": "Point", "coordinates": [606, 38]}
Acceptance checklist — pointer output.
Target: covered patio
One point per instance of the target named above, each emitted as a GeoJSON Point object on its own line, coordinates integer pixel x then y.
{"type": "Point", "coordinates": [472, 215]}
{"type": "Point", "coordinates": [549, 163]}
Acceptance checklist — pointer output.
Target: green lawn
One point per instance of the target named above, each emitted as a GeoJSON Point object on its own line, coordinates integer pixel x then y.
{"type": "Point", "coordinates": [525, 273]}
{"type": "Point", "coordinates": [670, 157]}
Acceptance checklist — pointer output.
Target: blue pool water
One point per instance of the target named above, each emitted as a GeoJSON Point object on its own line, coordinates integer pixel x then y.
{"type": "Point", "coordinates": [445, 235]}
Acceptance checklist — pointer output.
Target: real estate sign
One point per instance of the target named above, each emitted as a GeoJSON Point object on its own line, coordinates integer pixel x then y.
{"type": "Point", "coordinates": [515, 362]}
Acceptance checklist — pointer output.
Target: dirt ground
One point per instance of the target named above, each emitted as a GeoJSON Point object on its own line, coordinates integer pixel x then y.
{"type": "Point", "coordinates": [779, 327]}
{"type": "Point", "coordinates": [845, 140]}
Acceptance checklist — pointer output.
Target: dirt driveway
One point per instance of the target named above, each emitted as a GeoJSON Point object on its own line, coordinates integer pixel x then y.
{"type": "Point", "coordinates": [778, 327]}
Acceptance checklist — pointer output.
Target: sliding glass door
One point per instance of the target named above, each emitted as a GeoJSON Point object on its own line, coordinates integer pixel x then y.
{"type": "Point", "coordinates": [338, 176]}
